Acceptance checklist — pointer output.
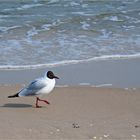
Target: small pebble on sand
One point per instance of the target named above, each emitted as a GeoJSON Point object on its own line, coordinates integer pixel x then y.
{"type": "Point", "coordinates": [51, 132]}
{"type": "Point", "coordinates": [134, 136]}
{"type": "Point", "coordinates": [91, 125]}
{"type": "Point", "coordinates": [30, 130]}
{"type": "Point", "coordinates": [105, 136]}
{"type": "Point", "coordinates": [75, 125]}
{"type": "Point", "coordinates": [58, 130]}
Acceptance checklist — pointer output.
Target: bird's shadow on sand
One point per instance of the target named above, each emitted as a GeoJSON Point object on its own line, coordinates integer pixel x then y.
{"type": "Point", "coordinates": [16, 105]}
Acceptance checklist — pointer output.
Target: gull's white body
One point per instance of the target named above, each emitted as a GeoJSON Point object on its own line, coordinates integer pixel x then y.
{"type": "Point", "coordinates": [38, 87]}
{"type": "Point", "coordinates": [50, 83]}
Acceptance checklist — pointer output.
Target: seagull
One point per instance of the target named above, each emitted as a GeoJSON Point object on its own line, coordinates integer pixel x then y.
{"type": "Point", "coordinates": [38, 87]}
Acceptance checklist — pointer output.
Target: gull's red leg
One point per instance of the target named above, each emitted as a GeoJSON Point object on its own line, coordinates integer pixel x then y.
{"type": "Point", "coordinates": [43, 101]}
{"type": "Point", "coordinates": [37, 99]}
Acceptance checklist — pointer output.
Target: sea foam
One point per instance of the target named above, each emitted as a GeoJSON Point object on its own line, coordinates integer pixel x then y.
{"type": "Point", "coordinates": [68, 62]}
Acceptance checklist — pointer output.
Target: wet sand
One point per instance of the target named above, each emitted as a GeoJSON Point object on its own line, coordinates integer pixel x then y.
{"type": "Point", "coordinates": [74, 113]}
{"type": "Point", "coordinates": [122, 73]}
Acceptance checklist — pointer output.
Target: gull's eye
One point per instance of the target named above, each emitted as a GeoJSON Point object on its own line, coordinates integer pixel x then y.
{"type": "Point", "coordinates": [50, 74]}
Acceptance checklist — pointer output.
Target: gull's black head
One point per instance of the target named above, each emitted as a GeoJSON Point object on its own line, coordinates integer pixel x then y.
{"type": "Point", "coordinates": [51, 75]}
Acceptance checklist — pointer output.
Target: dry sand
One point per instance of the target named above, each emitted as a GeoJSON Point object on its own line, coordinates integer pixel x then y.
{"type": "Point", "coordinates": [74, 113]}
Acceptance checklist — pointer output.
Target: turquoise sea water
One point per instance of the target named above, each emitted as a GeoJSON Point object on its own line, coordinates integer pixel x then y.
{"type": "Point", "coordinates": [36, 33]}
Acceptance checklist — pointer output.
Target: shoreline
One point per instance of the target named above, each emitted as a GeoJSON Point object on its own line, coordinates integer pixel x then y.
{"type": "Point", "coordinates": [68, 62]}
{"type": "Point", "coordinates": [120, 73]}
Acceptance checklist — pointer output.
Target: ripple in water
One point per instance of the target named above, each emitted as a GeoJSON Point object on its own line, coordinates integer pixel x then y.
{"type": "Point", "coordinates": [40, 33]}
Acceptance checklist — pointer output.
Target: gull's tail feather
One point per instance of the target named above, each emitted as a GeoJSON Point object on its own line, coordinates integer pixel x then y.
{"type": "Point", "coordinates": [13, 96]}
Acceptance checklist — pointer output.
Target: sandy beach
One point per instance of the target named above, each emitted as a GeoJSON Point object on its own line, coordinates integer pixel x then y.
{"type": "Point", "coordinates": [93, 46]}
{"type": "Point", "coordinates": [74, 113]}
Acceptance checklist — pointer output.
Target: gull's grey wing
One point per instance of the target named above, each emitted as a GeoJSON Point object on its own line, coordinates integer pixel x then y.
{"type": "Point", "coordinates": [33, 88]}
{"type": "Point", "coordinates": [37, 84]}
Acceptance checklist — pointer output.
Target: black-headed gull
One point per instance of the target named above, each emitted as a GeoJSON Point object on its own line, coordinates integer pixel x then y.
{"type": "Point", "coordinates": [38, 87]}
